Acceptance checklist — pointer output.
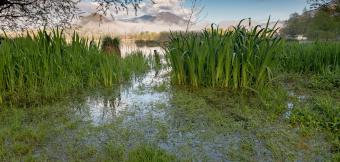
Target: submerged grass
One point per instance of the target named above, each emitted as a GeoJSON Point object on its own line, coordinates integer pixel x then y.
{"type": "Point", "coordinates": [241, 58]}
{"type": "Point", "coordinates": [44, 66]}
{"type": "Point", "coordinates": [321, 114]}
{"type": "Point", "coordinates": [53, 133]}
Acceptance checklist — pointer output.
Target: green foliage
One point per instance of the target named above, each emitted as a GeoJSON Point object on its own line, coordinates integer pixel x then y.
{"type": "Point", "coordinates": [235, 59]}
{"type": "Point", "coordinates": [44, 66]}
{"type": "Point", "coordinates": [317, 57]}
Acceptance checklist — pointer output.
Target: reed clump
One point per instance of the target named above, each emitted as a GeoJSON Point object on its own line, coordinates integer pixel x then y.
{"type": "Point", "coordinates": [240, 58]}
{"type": "Point", "coordinates": [111, 45]}
{"type": "Point", "coordinates": [44, 66]}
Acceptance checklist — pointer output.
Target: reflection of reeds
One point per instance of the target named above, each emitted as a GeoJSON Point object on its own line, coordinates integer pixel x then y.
{"type": "Point", "coordinates": [240, 58]}
{"type": "Point", "coordinates": [45, 66]}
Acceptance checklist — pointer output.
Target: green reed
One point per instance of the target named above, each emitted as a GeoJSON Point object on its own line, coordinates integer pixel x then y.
{"type": "Point", "coordinates": [241, 58]}
{"type": "Point", "coordinates": [44, 66]}
{"type": "Point", "coordinates": [314, 57]}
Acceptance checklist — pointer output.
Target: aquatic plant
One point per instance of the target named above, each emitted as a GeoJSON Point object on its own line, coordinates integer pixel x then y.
{"type": "Point", "coordinates": [240, 58]}
{"type": "Point", "coordinates": [157, 59]}
{"type": "Point", "coordinates": [314, 57]}
{"type": "Point", "coordinates": [44, 66]}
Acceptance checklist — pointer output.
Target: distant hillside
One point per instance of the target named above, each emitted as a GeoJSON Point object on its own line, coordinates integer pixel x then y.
{"type": "Point", "coordinates": [93, 18]}
{"type": "Point", "coordinates": [162, 17]}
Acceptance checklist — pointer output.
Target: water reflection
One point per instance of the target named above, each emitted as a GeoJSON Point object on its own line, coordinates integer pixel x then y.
{"type": "Point", "coordinates": [135, 98]}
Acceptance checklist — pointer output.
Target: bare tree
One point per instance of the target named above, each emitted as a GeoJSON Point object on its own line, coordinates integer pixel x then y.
{"type": "Point", "coordinates": [119, 5]}
{"type": "Point", "coordinates": [20, 14]}
{"type": "Point", "coordinates": [24, 13]}
{"type": "Point", "coordinates": [194, 12]}
{"type": "Point", "coordinates": [322, 3]}
{"type": "Point", "coordinates": [331, 7]}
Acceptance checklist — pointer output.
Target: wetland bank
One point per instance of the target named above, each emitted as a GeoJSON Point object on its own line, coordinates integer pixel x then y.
{"type": "Point", "coordinates": [241, 95]}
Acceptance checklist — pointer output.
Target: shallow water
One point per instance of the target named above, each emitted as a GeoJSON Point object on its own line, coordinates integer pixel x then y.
{"type": "Point", "coordinates": [142, 109]}
{"type": "Point", "coordinates": [148, 110]}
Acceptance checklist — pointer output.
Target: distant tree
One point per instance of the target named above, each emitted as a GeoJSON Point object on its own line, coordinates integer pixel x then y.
{"type": "Point", "coordinates": [321, 22]}
{"type": "Point", "coordinates": [293, 25]}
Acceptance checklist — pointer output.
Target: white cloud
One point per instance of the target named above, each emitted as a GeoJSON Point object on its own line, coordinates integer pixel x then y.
{"type": "Point", "coordinates": [147, 8]}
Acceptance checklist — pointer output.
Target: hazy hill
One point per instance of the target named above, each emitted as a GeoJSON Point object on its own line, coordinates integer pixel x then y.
{"type": "Point", "coordinates": [93, 18]}
{"type": "Point", "coordinates": [162, 17]}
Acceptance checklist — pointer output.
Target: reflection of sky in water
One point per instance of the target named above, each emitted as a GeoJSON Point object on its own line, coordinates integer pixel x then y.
{"type": "Point", "coordinates": [132, 99]}
{"type": "Point", "coordinates": [290, 105]}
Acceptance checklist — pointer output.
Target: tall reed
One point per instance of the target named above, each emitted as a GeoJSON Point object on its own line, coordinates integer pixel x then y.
{"type": "Point", "coordinates": [44, 66]}
{"type": "Point", "coordinates": [241, 58]}
{"type": "Point", "coordinates": [314, 57]}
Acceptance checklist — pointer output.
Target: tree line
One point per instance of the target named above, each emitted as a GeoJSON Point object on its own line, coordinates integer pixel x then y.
{"type": "Point", "coordinates": [320, 22]}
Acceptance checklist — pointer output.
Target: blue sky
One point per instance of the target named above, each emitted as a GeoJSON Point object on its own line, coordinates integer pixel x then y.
{"type": "Point", "coordinates": [219, 10]}
{"type": "Point", "coordinates": [224, 10]}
